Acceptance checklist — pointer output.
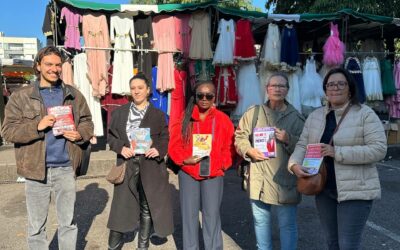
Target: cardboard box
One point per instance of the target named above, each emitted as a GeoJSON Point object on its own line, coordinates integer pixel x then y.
{"type": "Point", "coordinates": [394, 133]}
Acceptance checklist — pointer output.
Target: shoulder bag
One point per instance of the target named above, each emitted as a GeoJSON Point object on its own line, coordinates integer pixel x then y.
{"type": "Point", "coordinates": [117, 174]}
{"type": "Point", "coordinates": [313, 185]}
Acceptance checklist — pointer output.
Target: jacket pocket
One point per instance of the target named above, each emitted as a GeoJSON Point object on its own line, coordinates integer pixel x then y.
{"type": "Point", "coordinates": [31, 115]}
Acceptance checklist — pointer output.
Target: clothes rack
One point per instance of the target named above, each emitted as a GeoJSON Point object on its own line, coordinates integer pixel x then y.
{"type": "Point", "coordinates": [136, 49]}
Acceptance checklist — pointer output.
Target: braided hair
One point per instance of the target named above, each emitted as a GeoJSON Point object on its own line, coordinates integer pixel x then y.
{"type": "Point", "coordinates": [187, 119]}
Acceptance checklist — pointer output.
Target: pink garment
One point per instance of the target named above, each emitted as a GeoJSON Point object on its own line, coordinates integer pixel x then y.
{"type": "Point", "coordinates": [178, 96]}
{"type": "Point", "coordinates": [72, 34]}
{"type": "Point", "coordinates": [164, 40]}
{"type": "Point", "coordinates": [67, 74]}
{"type": "Point", "coordinates": [396, 72]}
{"type": "Point", "coordinates": [333, 48]}
{"type": "Point", "coordinates": [393, 102]}
{"type": "Point", "coordinates": [182, 31]}
{"type": "Point", "coordinates": [96, 34]}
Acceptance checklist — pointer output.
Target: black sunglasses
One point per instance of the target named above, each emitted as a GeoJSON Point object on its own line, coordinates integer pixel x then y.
{"type": "Point", "coordinates": [208, 96]}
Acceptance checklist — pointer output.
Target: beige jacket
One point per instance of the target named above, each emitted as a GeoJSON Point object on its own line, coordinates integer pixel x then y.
{"type": "Point", "coordinates": [359, 143]}
{"type": "Point", "coordinates": [270, 181]}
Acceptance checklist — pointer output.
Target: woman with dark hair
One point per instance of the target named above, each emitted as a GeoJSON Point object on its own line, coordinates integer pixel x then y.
{"type": "Point", "coordinates": [202, 145]}
{"type": "Point", "coordinates": [143, 199]}
{"type": "Point", "coordinates": [352, 178]}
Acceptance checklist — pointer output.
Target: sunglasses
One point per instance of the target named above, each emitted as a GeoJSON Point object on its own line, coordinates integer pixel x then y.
{"type": "Point", "coordinates": [208, 96]}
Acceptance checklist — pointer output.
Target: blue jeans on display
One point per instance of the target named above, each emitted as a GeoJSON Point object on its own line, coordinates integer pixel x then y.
{"type": "Point", "coordinates": [263, 227]}
{"type": "Point", "coordinates": [343, 223]}
{"type": "Point", "coordinates": [61, 181]}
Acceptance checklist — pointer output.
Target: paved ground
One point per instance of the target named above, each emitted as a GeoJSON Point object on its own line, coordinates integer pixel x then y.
{"type": "Point", "coordinates": [94, 197]}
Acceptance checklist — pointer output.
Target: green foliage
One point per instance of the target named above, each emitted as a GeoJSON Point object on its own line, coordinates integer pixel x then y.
{"type": "Point", "coordinates": [377, 7]}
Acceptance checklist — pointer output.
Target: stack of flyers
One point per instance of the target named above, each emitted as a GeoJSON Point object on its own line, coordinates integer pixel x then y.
{"type": "Point", "coordinates": [264, 140]}
{"type": "Point", "coordinates": [313, 158]}
{"type": "Point", "coordinates": [139, 139]}
{"type": "Point", "coordinates": [64, 119]}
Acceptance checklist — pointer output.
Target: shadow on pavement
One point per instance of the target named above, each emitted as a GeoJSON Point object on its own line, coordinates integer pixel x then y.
{"type": "Point", "coordinates": [91, 202]}
{"type": "Point", "coordinates": [236, 216]}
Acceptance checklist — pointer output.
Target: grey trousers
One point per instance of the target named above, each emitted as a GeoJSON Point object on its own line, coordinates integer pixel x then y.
{"type": "Point", "coordinates": [207, 195]}
{"type": "Point", "coordinates": [61, 181]}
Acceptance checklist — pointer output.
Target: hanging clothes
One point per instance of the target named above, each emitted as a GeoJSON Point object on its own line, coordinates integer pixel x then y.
{"type": "Point", "coordinates": [244, 41]}
{"type": "Point", "coordinates": [112, 101]}
{"type": "Point", "coordinates": [67, 74]}
{"type": "Point", "coordinates": [164, 40]}
{"type": "Point", "coordinates": [50, 25]}
{"type": "Point", "coordinates": [144, 40]}
{"type": "Point", "coordinates": [333, 48]}
{"type": "Point", "coordinates": [200, 44]}
{"type": "Point", "coordinates": [182, 31]}
{"type": "Point", "coordinates": [353, 65]}
{"type": "Point", "coordinates": [159, 100]}
{"type": "Point", "coordinates": [393, 102]}
{"type": "Point", "coordinates": [225, 85]}
{"type": "Point", "coordinates": [311, 90]}
{"type": "Point", "coordinates": [388, 86]}
{"type": "Point", "coordinates": [271, 53]}
{"type": "Point", "coordinates": [121, 32]}
{"type": "Point", "coordinates": [226, 43]}
{"type": "Point", "coordinates": [249, 92]}
{"type": "Point", "coordinates": [178, 96]}
{"type": "Point", "coordinates": [293, 96]}
{"type": "Point", "coordinates": [372, 79]}
{"type": "Point", "coordinates": [72, 34]}
{"type": "Point", "coordinates": [83, 85]}
{"type": "Point", "coordinates": [95, 33]}
{"type": "Point", "coordinates": [290, 46]}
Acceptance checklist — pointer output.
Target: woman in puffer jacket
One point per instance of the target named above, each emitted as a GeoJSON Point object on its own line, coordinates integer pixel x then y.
{"type": "Point", "coordinates": [352, 180]}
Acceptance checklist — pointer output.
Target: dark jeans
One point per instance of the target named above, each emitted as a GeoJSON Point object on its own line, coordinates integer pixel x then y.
{"type": "Point", "coordinates": [343, 223]}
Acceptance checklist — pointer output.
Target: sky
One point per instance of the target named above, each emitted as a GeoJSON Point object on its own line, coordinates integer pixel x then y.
{"type": "Point", "coordinates": [24, 18]}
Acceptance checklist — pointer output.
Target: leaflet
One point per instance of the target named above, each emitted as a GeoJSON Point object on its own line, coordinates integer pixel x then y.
{"type": "Point", "coordinates": [139, 139]}
{"type": "Point", "coordinates": [202, 144]}
{"type": "Point", "coordinates": [264, 140]}
{"type": "Point", "coordinates": [313, 158]}
{"type": "Point", "coordinates": [64, 119]}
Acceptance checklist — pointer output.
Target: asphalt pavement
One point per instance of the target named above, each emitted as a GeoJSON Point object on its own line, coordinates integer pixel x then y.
{"type": "Point", "coordinates": [94, 197]}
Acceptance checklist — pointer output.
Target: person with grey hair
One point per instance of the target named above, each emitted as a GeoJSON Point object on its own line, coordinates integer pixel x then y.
{"type": "Point", "coordinates": [270, 183]}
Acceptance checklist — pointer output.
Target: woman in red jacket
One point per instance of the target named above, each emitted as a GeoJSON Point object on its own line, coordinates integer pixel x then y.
{"type": "Point", "coordinates": [202, 165]}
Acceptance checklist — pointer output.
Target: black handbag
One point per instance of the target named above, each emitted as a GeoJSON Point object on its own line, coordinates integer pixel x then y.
{"type": "Point", "coordinates": [172, 165]}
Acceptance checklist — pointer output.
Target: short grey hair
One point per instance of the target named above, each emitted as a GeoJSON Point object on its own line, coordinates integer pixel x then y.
{"type": "Point", "coordinates": [281, 74]}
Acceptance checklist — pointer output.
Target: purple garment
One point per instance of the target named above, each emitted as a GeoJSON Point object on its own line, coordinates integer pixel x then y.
{"type": "Point", "coordinates": [72, 34]}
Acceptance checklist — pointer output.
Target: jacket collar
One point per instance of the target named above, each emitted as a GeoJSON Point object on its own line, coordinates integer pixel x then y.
{"type": "Point", "coordinates": [338, 112]}
{"type": "Point", "coordinates": [67, 90]}
{"type": "Point", "coordinates": [289, 108]}
{"type": "Point", "coordinates": [196, 113]}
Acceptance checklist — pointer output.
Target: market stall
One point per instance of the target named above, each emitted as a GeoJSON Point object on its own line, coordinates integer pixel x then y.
{"type": "Point", "coordinates": [176, 45]}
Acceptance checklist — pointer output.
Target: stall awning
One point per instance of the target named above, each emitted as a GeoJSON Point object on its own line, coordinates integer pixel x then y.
{"type": "Point", "coordinates": [92, 5]}
{"type": "Point", "coordinates": [349, 12]}
{"type": "Point", "coordinates": [168, 8]}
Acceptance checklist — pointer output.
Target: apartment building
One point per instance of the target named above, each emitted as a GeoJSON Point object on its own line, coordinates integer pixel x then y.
{"type": "Point", "coordinates": [18, 47]}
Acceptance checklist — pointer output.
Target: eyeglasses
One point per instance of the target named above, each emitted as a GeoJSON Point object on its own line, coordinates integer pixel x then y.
{"type": "Point", "coordinates": [208, 96]}
{"type": "Point", "coordinates": [276, 86]}
{"type": "Point", "coordinates": [339, 85]}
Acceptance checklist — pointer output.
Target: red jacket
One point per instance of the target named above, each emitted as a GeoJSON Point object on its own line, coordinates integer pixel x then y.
{"type": "Point", "coordinates": [222, 149]}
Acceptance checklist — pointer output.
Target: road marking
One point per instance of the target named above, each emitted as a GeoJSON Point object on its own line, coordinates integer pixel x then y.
{"type": "Point", "coordinates": [384, 231]}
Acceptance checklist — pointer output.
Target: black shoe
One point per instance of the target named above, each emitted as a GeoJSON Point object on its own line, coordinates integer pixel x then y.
{"type": "Point", "coordinates": [115, 240]}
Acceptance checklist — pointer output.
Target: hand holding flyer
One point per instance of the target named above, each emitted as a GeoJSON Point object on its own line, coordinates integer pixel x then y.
{"type": "Point", "coordinates": [264, 140]}
{"type": "Point", "coordinates": [202, 145]}
{"type": "Point", "coordinates": [313, 158]}
{"type": "Point", "coordinates": [64, 119]}
{"type": "Point", "coordinates": [139, 139]}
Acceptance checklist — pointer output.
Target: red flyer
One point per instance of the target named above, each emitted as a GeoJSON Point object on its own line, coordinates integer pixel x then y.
{"type": "Point", "coordinates": [64, 119]}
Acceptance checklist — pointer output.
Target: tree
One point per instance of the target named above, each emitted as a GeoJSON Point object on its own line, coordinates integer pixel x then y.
{"type": "Point", "coordinates": [377, 7]}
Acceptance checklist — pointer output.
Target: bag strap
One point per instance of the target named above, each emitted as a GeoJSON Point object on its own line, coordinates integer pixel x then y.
{"type": "Point", "coordinates": [254, 122]}
{"type": "Point", "coordinates": [340, 121]}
